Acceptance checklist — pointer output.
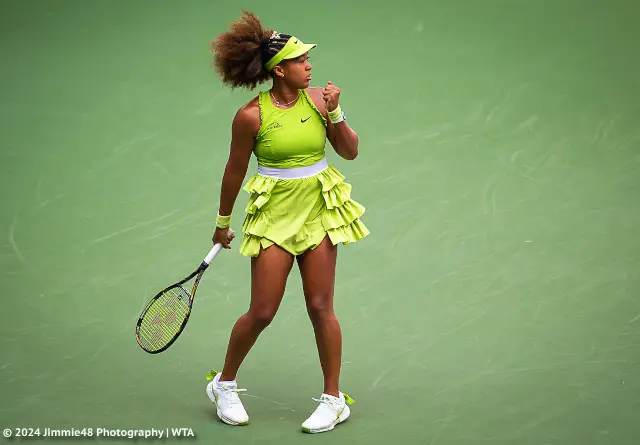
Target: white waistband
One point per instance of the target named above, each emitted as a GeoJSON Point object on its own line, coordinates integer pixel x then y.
{"type": "Point", "coordinates": [294, 173]}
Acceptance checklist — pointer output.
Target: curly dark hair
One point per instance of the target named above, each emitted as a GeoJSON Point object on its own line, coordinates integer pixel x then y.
{"type": "Point", "coordinates": [242, 51]}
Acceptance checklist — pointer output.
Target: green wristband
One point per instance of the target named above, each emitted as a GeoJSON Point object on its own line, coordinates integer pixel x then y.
{"type": "Point", "coordinates": [335, 114]}
{"type": "Point", "coordinates": [223, 221]}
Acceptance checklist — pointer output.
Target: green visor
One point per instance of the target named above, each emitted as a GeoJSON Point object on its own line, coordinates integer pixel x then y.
{"type": "Point", "coordinates": [292, 49]}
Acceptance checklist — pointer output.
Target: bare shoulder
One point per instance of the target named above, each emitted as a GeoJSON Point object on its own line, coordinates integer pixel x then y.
{"type": "Point", "coordinates": [247, 119]}
{"type": "Point", "coordinates": [315, 93]}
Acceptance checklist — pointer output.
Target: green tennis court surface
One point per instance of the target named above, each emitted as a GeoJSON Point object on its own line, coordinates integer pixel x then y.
{"type": "Point", "coordinates": [496, 301]}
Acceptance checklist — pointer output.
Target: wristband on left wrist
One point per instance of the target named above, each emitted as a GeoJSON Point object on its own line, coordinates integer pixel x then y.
{"type": "Point", "coordinates": [336, 115]}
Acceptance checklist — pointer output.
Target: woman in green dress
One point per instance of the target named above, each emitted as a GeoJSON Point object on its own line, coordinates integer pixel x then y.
{"type": "Point", "coordinates": [300, 208]}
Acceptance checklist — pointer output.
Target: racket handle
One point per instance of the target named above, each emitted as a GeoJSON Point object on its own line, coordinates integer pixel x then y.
{"type": "Point", "coordinates": [213, 252]}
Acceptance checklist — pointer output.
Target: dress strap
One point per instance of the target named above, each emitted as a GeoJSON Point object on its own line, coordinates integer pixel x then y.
{"type": "Point", "coordinates": [308, 99]}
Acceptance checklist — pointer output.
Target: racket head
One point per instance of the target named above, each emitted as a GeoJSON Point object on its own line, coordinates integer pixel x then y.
{"type": "Point", "coordinates": [164, 319]}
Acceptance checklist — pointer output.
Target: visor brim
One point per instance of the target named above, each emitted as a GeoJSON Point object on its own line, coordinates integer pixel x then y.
{"type": "Point", "coordinates": [302, 49]}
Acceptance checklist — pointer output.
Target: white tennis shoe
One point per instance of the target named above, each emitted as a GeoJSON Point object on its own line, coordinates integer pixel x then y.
{"type": "Point", "coordinates": [224, 395]}
{"type": "Point", "coordinates": [330, 412]}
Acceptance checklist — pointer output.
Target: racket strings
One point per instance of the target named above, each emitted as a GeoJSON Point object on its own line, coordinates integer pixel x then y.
{"type": "Point", "coordinates": [164, 318]}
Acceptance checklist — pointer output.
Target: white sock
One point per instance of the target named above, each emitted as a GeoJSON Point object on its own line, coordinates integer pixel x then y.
{"type": "Point", "coordinates": [220, 384]}
{"type": "Point", "coordinates": [334, 398]}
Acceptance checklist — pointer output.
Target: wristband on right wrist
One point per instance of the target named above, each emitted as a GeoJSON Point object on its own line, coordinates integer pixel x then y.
{"type": "Point", "coordinates": [223, 221]}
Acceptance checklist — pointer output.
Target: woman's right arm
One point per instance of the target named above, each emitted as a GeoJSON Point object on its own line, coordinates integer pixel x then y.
{"type": "Point", "coordinates": [243, 131]}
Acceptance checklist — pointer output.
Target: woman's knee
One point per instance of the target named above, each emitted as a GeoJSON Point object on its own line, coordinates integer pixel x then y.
{"type": "Point", "coordinates": [320, 306]}
{"type": "Point", "coordinates": [262, 315]}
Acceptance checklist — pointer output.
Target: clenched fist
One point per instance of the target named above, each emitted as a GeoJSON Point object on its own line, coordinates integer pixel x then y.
{"type": "Point", "coordinates": [331, 96]}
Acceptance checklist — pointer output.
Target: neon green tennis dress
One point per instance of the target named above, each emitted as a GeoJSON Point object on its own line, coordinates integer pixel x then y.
{"type": "Point", "coordinates": [297, 199]}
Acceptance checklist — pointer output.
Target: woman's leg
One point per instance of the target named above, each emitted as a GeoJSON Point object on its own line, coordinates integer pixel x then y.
{"type": "Point", "coordinates": [269, 272]}
{"type": "Point", "coordinates": [318, 268]}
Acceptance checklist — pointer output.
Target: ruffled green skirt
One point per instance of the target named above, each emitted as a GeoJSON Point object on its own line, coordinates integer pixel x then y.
{"type": "Point", "coordinates": [297, 214]}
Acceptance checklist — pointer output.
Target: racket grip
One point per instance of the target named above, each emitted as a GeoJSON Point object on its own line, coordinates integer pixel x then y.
{"type": "Point", "coordinates": [212, 254]}
{"type": "Point", "coordinates": [214, 251]}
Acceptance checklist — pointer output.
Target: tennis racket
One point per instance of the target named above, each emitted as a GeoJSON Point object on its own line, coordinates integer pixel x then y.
{"type": "Point", "coordinates": [165, 317]}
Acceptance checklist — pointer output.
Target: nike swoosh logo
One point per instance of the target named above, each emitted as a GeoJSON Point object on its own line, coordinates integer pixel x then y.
{"type": "Point", "coordinates": [304, 120]}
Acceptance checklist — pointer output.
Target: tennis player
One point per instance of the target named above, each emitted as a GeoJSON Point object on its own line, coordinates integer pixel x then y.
{"type": "Point", "coordinates": [299, 207]}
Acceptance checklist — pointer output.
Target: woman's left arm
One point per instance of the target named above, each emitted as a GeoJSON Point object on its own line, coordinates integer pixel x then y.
{"type": "Point", "coordinates": [343, 138]}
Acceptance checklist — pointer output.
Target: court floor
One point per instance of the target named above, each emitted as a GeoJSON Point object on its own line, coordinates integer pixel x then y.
{"type": "Point", "coordinates": [495, 302]}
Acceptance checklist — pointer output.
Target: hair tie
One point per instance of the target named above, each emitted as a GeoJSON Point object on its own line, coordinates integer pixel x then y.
{"type": "Point", "coordinates": [264, 50]}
